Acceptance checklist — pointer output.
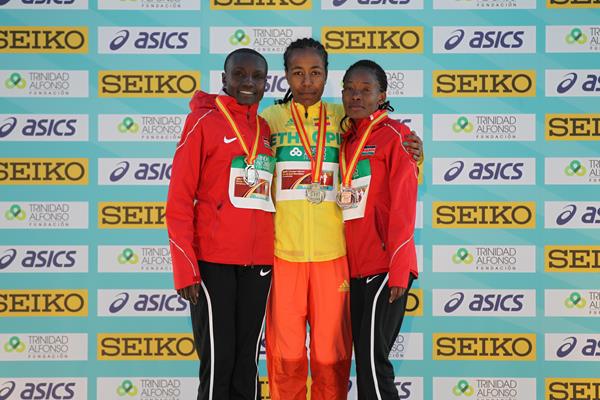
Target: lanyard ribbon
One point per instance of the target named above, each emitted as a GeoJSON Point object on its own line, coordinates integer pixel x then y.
{"type": "Point", "coordinates": [348, 169]}
{"type": "Point", "coordinates": [250, 154]}
{"type": "Point", "coordinates": [316, 161]}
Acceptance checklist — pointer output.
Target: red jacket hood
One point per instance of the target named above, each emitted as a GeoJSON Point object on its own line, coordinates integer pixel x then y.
{"type": "Point", "coordinates": [206, 101]}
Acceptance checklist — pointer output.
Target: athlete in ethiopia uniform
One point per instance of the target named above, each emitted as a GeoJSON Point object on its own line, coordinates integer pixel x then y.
{"type": "Point", "coordinates": [310, 272]}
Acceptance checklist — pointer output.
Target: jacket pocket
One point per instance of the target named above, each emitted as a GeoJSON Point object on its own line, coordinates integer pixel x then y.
{"type": "Point", "coordinates": [379, 228]}
{"type": "Point", "coordinates": [217, 220]}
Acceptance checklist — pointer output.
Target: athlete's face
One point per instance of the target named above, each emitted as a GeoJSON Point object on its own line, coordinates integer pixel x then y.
{"type": "Point", "coordinates": [306, 76]}
{"type": "Point", "coordinates": [361, 94]}
{"type": "Point", "coordinates": [245, 78]}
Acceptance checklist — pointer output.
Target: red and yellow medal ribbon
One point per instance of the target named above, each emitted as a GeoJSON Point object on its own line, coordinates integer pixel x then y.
{"type": "Point", "coordinates": [316, 161]}
{"type": "Point", "coordinates": [347, 170]}
{"type": "Point", "coordinates": [250, 154]}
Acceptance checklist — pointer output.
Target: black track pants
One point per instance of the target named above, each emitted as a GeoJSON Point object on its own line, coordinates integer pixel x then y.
{"type": "Point", "coordinates": [227, 323]}
{"type": "Point", "coordinates": [375, 325]}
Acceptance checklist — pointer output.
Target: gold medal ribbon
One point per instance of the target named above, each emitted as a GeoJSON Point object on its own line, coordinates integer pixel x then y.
{"type": "Point", "coordinates": [250, 154]}
{"type": "Point", "coordinates": [348, 169]}
{"type": "Point", "coordinates": [316, 162]}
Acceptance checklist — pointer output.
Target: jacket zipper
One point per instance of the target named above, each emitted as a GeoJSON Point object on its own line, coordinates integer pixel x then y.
{"type": "Point", "coordinates": [253, 221]}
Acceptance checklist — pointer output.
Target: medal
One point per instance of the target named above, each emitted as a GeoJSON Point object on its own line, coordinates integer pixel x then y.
{"type": "Point", "coordinates": [347, 197]}
{"type": "Point", "coordinates": [251, 177]}
{"type": "Point", "coordinates": [315, 193]}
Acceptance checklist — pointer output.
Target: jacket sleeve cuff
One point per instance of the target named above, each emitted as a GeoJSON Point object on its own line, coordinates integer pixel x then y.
{"type": "Point", "coordinates": [185, 281]}
{"type": "Point", "coordinates": [401, 265]}
{"type": "Point", "coordinates": [399, 278]}
{"type": "Point", "coordinates": [185, 268]}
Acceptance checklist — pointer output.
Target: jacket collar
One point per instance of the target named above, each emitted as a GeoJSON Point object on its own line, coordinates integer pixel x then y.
{"type": "Point", "coordinates": [358, 126]}
{"type": "Point", "coordinates": [311, 112]}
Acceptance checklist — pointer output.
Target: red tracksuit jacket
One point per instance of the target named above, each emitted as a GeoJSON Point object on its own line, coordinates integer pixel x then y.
{"type": "Point", "coordinates": [383, 240]}
{"type": "Point", "coordinates": [201, 221]}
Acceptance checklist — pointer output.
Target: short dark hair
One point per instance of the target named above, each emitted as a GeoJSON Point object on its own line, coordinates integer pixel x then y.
{"type": "Point", "coordinates": [380, 76]}
{"type": "Point", "coordinates": [247, 51]}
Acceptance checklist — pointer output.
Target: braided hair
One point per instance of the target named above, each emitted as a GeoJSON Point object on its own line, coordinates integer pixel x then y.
{"type": "Point", "coordinates": [298, 44]}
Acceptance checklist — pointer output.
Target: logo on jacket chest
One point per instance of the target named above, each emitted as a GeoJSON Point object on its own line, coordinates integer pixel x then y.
{"type": "Point", "coordinates": [369, 150]}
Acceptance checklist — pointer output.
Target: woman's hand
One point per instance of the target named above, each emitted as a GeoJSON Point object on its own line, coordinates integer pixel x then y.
{"type": "Point", "coordinates": [190, 293]}
{"type": "Point", "coordinates": [414, 145]}
{"type": "Point", "coordinates": [396, 292]}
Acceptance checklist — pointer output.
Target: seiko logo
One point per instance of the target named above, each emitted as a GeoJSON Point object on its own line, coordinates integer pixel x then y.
{"type": "Point", "coordinates": [572, 388]}
{"type": "Point", "coordinates": [573, 258]}
{"type": "Point", "coordinates": [485, 303]}
{"type": "Point", "coordinates": [498, 214]}
{"type": "Point", "coordinates": [151, 40]}
{"type": "Point", "coordinates": [131, 215]}
{"type": "Point", "coordinates": [40, 39]}
{"type": "Point", "coordinates": [41, 302]}
{"type": "Point", "coordinates": [486, 171]}
{"type": "Point", "coordinates": [486, 39]}
{"type": "Point", "coordinates": [474, 346]}
{"type": "Point", "coordinates": [258, 3]}
{"type": "Point", "coordinates": [140, 84]}
{"type": "Point", "coordinates": [501, 83]}
{"type": "Point", "coordinates": [572, 127]}
{"type": "Point", "coordinates": [145, 346]}
{"type": "Point", "coordinates": [373, 39]}
{"type": "Point", "coordinates": [39, 171]}
{"type": "Point", "coordinates": [573, 3]}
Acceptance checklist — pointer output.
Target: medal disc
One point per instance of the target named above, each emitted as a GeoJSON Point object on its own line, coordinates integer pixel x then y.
{"type": "Point", "coordinates": [347, 198]}
{"type": "Point", "coordinates": [250, 176]}
{"type": "Point", "coordinates": [315, 194]}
